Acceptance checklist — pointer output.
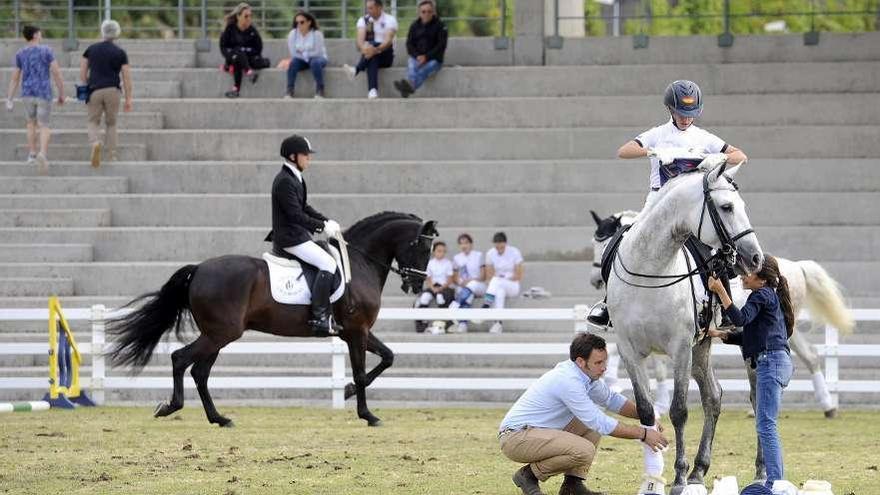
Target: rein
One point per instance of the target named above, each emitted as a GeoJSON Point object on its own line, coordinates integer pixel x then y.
{"type": "Point", "coordinates": [404, 272]}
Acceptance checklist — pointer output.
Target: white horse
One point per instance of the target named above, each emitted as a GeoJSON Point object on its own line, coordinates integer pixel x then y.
{"type": "Point", "coordinates": [652, 305]}
{"type": "Point", "coordinates": [809, 285]}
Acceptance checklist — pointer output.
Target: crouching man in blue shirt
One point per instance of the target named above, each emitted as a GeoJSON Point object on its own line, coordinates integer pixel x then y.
{"type": "Point", "coordinates": [555, 426]}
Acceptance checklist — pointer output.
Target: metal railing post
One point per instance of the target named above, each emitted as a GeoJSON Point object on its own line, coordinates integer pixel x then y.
{"type": "Point", "coordinates": [98, 368]}
{"type": "Point", "coordinates": [394, 8]}
{"type": "Point", "coordinates": [344, 19]}
{"type": "Point", "coordinates": [337, 372]}
{"type": "Point", "coordinates": [263, 14]}
{"type": "Point", "coordinates": [181, 20]}
{"type": "Point", "coordinates": [203, 44]}
{"type": "Point", "coordinates": [725, 39]}
{"type": "Point", "coordinates": [504, 18]}
{"type": "Point", "coordinates": [556, 18]}
{"type": "Point", "coordinates": [832, 363]}
{"type": "Point", "coordinates": [108, 10]}
{"type": "Point", "coordinates": [70, 44]}
{"type": "Point", "coordinates": [16, 14]}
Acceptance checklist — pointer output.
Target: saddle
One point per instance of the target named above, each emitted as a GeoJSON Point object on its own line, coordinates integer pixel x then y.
{"type": "Point", "coordinates": [291, 279]}
{"type": "Point", "coordinates": [610, 252]}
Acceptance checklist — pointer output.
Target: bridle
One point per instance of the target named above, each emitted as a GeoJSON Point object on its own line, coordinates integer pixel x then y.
{"type": "Point", "coordinates": [412, 277]}
{"type": "Point", "coordinates": [723, 259]}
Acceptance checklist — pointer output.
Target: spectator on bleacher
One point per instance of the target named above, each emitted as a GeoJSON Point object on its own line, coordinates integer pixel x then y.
{"type": "Point", "coordinates": [100, 69]}
{"type": "Point", "coordinates": [504, 268]}
{"type": "Point", "coordinates": [438, 284]}
{"type": "Point", "coordinates": [375, 42]}
{"type": "Point", "coordinates": [469, 276]}
{"type": "Point", "coordinates": [426, 44]}
{"type": "Point", "coordinates": [34, 65]}
{"type": "Point", "coordinates": [307, 51]}
{"type": "Point", "coordinates": [242, 48]}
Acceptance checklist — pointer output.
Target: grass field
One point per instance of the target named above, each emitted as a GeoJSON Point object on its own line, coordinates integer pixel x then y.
{"type": "Point", "coordinates": [418, 451]}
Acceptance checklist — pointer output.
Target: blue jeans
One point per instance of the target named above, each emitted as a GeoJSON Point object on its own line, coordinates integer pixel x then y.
{"type": "Point", "coordinates": [316, 64]}
{"type": "Point", "coordinates": [372, 66]}
{"type": "Point", "coordinates": [418, 74]}
{"type": "Point", "coordinates": [773, 373]}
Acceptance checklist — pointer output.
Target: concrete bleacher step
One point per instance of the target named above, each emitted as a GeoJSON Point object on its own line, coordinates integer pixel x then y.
{"type": "Point", "coordinates": [581, 80]}
{"type": "Point", "coordinates": [65, 185]}
{"type": "Point", "coordinates": [724, 110]}
{"type": "Point", "coordinates": [463, 176]}
{"type": "Point", "coordinates": [28, 286]}
{"type": "Point", "coordinates": [48, 217]}
{"type": "Point", "coordinates": [167, 89]}
{"type": "Point", "coordinates": [807, 141]}
{"type": "Point", "coordinates": [527, 209]}
{"type": "Point", "coordinates": [558, 277]}
{"type": "Point", "coordinates": [48, 253]}
{"type": "Point", "coordinates": [77, 119]}
{"type": "Point", "coordinates": [139, 58]}
{"type": "Point", "coordinates": [67, 152]}
{"type": "Point", "coordinates": [572, 242]}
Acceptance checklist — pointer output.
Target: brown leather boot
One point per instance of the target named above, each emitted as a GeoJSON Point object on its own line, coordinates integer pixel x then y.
{"type": "Point", "coordinates": [575, 486]}
{"type": "Point", "coordinates": [526, 480]}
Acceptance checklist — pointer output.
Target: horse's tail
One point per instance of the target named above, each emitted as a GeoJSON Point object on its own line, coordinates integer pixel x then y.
{"type": "Point", "coordinates": [824, 298]}
{"type": "Point", "coordinates": [138, 333]}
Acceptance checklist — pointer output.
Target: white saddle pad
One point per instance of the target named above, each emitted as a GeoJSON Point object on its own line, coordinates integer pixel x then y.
{"type": "Point", "coordinates": [289, 285]}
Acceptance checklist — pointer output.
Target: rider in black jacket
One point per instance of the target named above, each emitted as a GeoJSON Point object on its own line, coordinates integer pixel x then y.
{"type": "Point", "coordinates": [294, 222]}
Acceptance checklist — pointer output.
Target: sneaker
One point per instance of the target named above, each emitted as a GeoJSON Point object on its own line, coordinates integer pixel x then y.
{"type": "Point", "coordinates": [32, 158]}
{"type": "Point", "coordinates": [233, 93]}
{"type": "Point", "coordinates": [319, 95]}
{"type": "Point", "coordinates": [96, 154]}
{"type": "Point", "coordinates": [436, 329]}
{"type": "Point", "coordinates": [42, 164]}
{"type": "Point", "coordinates": [462, 327]}
{"type": "Point", "coordinates": [350, 72]}
{"type": "Point", "coordinates": [289, 94]}
{"type": "Point", "coordinates": [373, 94]}
{"type": "Point", "coordinates": [404, 87]}
{"type": "Point", "coordinates": [496, 328]}
{"type": "Point", "coordinates": [255, 76]}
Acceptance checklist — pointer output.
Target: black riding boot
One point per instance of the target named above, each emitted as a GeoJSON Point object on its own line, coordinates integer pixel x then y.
{"type": "Point", "coordinates": [321, 321]}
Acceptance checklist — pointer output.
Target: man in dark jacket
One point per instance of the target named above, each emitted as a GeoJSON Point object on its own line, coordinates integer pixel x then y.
{"type": "Point", "coordinates": [426, 44]}
{"type": "Point", "coordinates": [294, 222]}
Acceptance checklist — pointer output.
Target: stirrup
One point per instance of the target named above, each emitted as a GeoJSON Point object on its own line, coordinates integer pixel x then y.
{"type": "Point", "coordinates": [602, 319]}
{"type": "Point", "coordinates": [325, 328]}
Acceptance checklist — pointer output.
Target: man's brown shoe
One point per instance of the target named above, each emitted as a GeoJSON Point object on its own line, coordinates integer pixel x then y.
{"type": "Point", "coordinates": [526, 480]}
{"type": "Point", "coordinates": [575, 486]}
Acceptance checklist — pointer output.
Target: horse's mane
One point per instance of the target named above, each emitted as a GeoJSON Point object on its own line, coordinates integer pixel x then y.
{"type": "Point", "coordinates": [370, 224]}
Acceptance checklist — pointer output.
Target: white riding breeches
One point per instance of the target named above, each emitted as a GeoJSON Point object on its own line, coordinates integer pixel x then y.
{"type": "Point", "coordinates": [501, 289]}
{"type": "Point", "coordinates": [477, 288]}
{"type": "Point", "coordinates": [312, 254]}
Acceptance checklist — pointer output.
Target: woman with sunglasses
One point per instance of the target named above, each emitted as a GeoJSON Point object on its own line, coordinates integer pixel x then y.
{"type": "Point", "coordinates": [307, 51]}
{"type": "Point", "coordinates": [242, 47]}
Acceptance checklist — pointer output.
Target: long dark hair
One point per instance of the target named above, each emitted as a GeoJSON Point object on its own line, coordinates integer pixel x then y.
{"type": "Point", "coordinates": [309, 17]}
{"type": "Point", "coordinates": [773, 278]}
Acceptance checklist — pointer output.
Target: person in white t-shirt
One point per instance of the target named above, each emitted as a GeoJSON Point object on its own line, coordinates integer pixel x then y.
{"type": "Point", "coordinates": [674, 147]}
{"type": "Point", "coordinates": [438, 283]}
{"type": "Point", "coordinates": [504, 268]}
{"type": "Point", "coordinates": [375, 42]}
{"type": "Point", "coordinates": [469, 273]}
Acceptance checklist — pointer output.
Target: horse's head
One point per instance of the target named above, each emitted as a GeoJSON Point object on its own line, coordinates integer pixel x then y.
{"type": "Point", "coordinates": [605, 230]}
{"type": "Point", "coordinates": [412, 255]}
{"type": "Point", "coordinates": [722, 221]}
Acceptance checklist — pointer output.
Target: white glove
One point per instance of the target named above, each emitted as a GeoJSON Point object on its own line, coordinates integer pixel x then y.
{"type": "Point", "coordinates": [9, 104]}
{"type": "Point", "coordinates": [669, 155]}
{"type": "Point", "coordinates": [331, 228]}
{"type": "Point", "coordinates": [712, 160]}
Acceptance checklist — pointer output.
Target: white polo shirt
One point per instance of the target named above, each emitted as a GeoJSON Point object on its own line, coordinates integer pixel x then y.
{"type": "Point", "coordinates": [440, 271]}
{"type": "Point", "coordinates": [669, 136]}
{"type": "Point", "coordinates": [504, 264]}
{"type": "Point", "coordinates": [468, 265]}
{"type": "Point", "coordinates": [381, 26]}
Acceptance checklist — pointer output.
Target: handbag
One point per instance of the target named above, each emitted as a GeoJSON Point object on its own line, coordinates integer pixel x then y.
{"type": "Point", "coordinates": [83, 93]}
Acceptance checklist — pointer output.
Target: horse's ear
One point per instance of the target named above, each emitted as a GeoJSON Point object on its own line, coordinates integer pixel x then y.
{"type": "Point", "coordinates": [731, 171]}
{"type": "Point", "coordinates": [716, 172]}
{"type": "Point", "coordinates": [596, 218]}
{"type": "Point", "coordinates": [429, 229]}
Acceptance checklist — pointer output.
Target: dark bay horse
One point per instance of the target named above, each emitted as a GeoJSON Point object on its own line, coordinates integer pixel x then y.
{"type": "Point", "coordinates": [227, 295]}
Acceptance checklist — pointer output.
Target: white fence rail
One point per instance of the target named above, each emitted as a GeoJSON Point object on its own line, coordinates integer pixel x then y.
{"type": "Point", "coordinates": [98, 381]}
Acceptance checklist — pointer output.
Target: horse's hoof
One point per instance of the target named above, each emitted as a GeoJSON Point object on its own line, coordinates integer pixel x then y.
{"type": "Point", "coordinates": [226, 423]}
{"type": "Point", "coordinates": [350, 391]}
{"type": "Point", "coordinates": [831, 413]}
{"type": "Point", "coordinates": [164, 409]}
{"type": "Point", "coordinates": [374, 422]}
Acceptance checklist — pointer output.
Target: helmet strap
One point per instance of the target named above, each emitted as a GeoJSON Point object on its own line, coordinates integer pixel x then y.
{"type": "Point", "coordinates": [672, 115]}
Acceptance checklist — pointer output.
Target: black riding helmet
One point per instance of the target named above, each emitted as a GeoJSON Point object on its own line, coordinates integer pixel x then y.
{"type": "Point", "coordinates": [295, 144]}
{"type": "Point", "coordinates": [684, 98]}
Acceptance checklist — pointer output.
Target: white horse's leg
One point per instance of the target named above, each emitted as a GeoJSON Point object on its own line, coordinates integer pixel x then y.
{"type": "Point", "coordinates": [663, 396]}
{"type": "Point", "coordinates": [710, 396]}
{"type": "Point", "coordinates": [804, 350]}
{"type": "Point", "coordinates": [678, 412]}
